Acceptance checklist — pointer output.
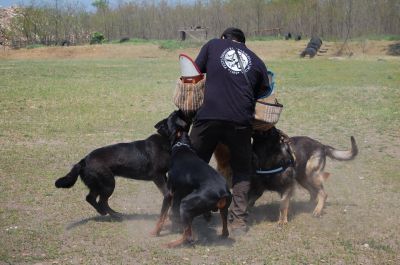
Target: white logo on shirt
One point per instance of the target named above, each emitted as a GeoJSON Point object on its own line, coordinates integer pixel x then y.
{"type": "Point", "coordinates": [229, 60]}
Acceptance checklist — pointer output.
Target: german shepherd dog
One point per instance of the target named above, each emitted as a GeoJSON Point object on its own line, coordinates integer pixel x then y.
{"type": "Point", "coordinates": [147, 159]}
{"type": "Point", "coordinates": [194, 187]}
{"type": "Point", "coordinates": [298, 158]}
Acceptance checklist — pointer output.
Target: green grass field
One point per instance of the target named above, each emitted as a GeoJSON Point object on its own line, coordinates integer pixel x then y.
{"type": "Point", "coordinates": [55, 111]}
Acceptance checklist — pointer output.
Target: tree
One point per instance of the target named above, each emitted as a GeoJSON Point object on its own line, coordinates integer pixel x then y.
{"type": "Point", "coordinates": [102, 7]}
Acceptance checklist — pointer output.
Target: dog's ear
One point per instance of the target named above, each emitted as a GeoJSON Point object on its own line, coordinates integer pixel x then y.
{"type": "Point", "coordinates": [181, 123]}
{"type": "Point", "coordinates": [159, 124]}
{"type": "Point", "coordinates": [162, 127]}
{"type": "Point", "coordinates": [182, 120]}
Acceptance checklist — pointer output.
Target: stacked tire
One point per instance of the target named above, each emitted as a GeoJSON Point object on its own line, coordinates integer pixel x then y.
{"type": "Point", "coordinates": [312, 48]}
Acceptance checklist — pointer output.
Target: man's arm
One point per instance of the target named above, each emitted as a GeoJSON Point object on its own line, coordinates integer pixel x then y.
{"type": "Point", "coordinates": [263, 86]}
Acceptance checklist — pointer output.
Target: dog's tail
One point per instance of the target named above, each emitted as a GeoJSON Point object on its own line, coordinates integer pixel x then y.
{"type": "Point", "coordinates": [69, 180]}
{"type": "Point", "coordinates": [342, 155]}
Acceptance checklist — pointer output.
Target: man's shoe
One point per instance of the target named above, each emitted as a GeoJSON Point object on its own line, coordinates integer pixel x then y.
{"type": "Point", "coordinates": [238, 229]}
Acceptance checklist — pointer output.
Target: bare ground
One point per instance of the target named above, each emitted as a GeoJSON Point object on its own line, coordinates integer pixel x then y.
{"type": "Point", "coordinates": [266, 50]}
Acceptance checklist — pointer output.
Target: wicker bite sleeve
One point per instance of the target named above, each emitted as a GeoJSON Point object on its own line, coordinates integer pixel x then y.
{"type": "Point", "coordinates": [188, 97]}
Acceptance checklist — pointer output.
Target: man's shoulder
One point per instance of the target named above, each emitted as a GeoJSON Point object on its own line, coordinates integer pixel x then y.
{"type": "Point", "coordinates": [256, 59]}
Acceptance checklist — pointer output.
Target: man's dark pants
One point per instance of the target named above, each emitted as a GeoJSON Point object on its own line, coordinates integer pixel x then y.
{"type": "Point", "coordinates": [206, 134]}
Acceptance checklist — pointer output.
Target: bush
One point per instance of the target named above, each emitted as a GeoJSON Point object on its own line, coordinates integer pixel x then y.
{"type": "Point", "coordinates": [97, 38]}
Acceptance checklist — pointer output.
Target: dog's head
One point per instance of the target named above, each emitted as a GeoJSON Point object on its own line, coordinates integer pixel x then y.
{"type": "Point", "coordinates": [267, 146]}
{"type": "Point", "coordinates": [270, 137]}
{"type": "Point", "coordinates": [173, 125]}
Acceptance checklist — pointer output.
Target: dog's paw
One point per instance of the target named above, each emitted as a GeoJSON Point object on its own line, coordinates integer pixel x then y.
{"type": "Point", "coordinates": [181, 242]}
{"type": "Point", "coordinates": [317, 213]}
{"type": "Point", "coordinates": [117, 217]}
{"type": "Point", "coordinates": [224, 233]}
{"type": "Point", "coordinates": [282, 223]}
{"type": "Point", "coordinates": [154, 233]}
{"type": "Point", "coordinates": [172, 244]}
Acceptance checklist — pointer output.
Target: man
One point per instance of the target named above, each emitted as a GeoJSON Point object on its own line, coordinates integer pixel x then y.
{"type": "Point", "coordinates": [228, 110]}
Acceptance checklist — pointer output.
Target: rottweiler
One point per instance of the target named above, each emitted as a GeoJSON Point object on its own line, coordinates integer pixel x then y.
{"type": "Point", "coordinates": [194, 187]}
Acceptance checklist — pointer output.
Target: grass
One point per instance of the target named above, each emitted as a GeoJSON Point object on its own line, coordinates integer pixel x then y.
{"type": "Point", "coordinates": [34, 46]}
{"type": "Point", "coordinates": [54, 111]}
{"type": "Point", "coordinates": [379, 37]}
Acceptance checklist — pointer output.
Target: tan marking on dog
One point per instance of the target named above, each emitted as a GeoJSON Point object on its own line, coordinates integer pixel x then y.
{"type": "Point", "coordinates": [221, 203]}
{"type": "Point", "coordinates": [222, 156]}
{"type": "Point", "coordinates": [313, 164]}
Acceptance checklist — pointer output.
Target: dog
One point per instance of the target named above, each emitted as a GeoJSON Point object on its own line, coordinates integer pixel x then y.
{"type": "Point", "coordinates": [146, 159]}
{"type": "Point", "coordinates": [299, 159]}
{"type": "Point", "coordinates": [194, 187]}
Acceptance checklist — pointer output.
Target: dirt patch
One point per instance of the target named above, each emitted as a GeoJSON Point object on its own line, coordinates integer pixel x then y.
{"type": "Point", "coordinates": [87, 52]}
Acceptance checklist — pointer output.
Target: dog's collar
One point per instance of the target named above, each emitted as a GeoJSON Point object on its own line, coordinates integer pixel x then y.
{"type": "Point", "coordinates": [284, 165]}
{"type": "Point", "coordinates": [179, 144]}
{"type": "Point", "coordinates": [269, 171]}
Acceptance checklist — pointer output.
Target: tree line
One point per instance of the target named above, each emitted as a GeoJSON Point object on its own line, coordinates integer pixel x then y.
{"type": "Point", "coordinates": [70, 21]}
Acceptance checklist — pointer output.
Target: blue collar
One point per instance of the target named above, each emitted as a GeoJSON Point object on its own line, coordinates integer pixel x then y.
{"type": "Point", "coordinates": [270, 171]}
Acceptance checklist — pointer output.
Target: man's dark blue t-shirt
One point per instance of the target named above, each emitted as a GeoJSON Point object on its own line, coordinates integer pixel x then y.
{"type": "Point", "coordinates": [227, 94]}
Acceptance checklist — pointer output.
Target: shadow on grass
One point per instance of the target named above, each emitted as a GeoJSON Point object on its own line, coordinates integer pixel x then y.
{"type": "Point", "coordinates": [108, 218]}
{"type": "Point", "coordinates": [270, 212]}
{"type": "Point", "coordinates": [205, 233]}
{"type": "Point", "coordinates": [209, 232]}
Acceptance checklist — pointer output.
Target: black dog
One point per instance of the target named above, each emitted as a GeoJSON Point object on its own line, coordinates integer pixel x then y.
{"type": "Point", "coordinates": [194, 187]}
{"type": "Point", "coordinates": [147, 159]}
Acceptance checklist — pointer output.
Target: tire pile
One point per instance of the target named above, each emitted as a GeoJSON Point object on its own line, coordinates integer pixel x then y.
{"type": "Point", "coordinates": [312, 48]}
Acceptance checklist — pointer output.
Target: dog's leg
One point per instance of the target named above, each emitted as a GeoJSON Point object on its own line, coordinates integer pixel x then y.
{"type": "Point", "coordinates": [91, 198]}
{"type": "Point", "coordinates": [284, 207]}
{"type": "Point", "coordinates": [322, 196]}
{"type": "Point", "coordinates": [190, 206]}
{"type": "Point", "coordinates": [103, 202]}
{"type": "Point", "coordinates": [207, 216]}
{"type": "Point", "coordinates": [107, 189]}
{"type": "Point", "coordinates": [186, 237]}
{"type": "Point", "coordinates": [175, 216]}
{"type": "Point", "coordinates": [223, 206]}
{"type": "Point", "coordinates": [161, 184]}
{"type": "Point", "coordinates": [164, 211]}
